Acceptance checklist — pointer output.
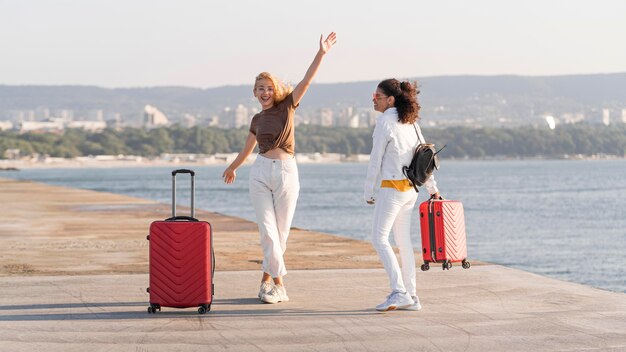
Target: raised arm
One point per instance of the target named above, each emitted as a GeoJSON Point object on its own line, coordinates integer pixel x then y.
{"type": "Point", "coordinates": [303, 86]}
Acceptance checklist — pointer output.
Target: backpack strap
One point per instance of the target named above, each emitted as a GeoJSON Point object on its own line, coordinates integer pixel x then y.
{"type": "Point", "coordinates": [405, 168]}
{"type": "Point", "coordinates": [418, 135]}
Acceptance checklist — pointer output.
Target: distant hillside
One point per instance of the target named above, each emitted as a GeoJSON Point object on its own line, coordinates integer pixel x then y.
{"type": "Point", "coordinates": [594, 89]}
{"type": "Point", "coordinates": [489, 97]}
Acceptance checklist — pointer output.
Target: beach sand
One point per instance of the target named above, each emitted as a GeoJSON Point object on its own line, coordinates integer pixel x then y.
{"type": "Point", "coordinates": [51, 230]}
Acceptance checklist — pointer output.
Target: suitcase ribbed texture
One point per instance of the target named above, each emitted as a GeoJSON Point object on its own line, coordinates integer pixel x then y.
{"type": "Point", "coordinates": [454, 231]}
{"type": "Point", "coordinates": [180, 263]}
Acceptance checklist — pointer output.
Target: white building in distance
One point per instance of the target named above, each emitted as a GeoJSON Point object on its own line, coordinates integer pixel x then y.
{"type": "Point", "coordinates": [6, 125]}
{"type": "Point", "coordinates": [91, 126]}
{"type": "Point", "coordinates": [152, 117]}
{"type": "Point", "coordinates": [40, 126]}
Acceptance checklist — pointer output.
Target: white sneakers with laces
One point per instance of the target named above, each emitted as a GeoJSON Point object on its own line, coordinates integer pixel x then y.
{"type": "Point", "coordinates": [266, 287]}
{"type": "Point", "coordinates": [275, 295]}
{"type": "Point", "coordinates": [396, 300]}
{"type": "Point", "coordinates": [415, 306]}
{"type": "Point", "coordinates": [272, 293]}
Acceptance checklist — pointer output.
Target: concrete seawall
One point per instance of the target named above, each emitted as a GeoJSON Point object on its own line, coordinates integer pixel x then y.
{"type": "Point", "coordinates": [73, 273]}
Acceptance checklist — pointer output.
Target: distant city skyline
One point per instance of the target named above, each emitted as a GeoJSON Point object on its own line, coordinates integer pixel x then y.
{"type": "Point", "coordinates": [206, 44]}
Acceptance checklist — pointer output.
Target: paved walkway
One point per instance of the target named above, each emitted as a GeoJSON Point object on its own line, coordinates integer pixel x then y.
{"type": "Point", "coordinates": [485, 308]}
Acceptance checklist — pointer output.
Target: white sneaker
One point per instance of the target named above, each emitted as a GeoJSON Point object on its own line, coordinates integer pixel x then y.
{"type": "Point", "coordinates": [415, 306]}
{"type": "Point", "coordinates": [396, 300]}
{"type": "Point", "coordinates": [276, 294]}
{"type": "Point", "coordinates": [265, 288]}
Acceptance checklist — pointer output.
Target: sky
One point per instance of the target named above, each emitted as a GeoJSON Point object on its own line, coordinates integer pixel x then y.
{"type": "Point", "coordinates": [204, 43]}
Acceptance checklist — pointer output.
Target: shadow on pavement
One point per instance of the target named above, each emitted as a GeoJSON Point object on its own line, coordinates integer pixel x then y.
{"type": "Point", "coordinates": [73, 305]}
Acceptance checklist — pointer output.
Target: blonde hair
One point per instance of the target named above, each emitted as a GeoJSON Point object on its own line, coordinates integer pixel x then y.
{"type": "Point", "coordinates": [281, 89]}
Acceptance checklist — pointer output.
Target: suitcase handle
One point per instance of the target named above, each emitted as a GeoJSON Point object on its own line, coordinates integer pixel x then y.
{"type": "Point", "coordinates": [183, 171]}
{"type": "Point", "coordinates": [176, 218]}
{"type": "Point", "coordinates": [193, 190]}
{"type": "Point", "coordinates": [432, 197]}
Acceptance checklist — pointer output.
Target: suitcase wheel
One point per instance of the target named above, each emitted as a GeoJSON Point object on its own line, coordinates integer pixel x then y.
{"type": "Point", "coordinates": [153, 308]}
{"type": "Point", "coordinates": [446, 265]}
{"type": "Point", "coordinates": [465, 264]}
{"type": "Point", "coordinates": [425, 267]}
{"type": "Point", "coordinates": [204, 308]}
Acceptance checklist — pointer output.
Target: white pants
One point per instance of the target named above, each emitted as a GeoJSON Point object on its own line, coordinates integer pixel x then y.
{"type": "Point", "coordinates": [274, 190]}
{"type": "Point", "coordinates": [392, 212]}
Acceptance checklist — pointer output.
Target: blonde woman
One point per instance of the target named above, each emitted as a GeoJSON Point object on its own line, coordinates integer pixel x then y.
{"type": "Point", "coordinates": [395, 137]}
{"type": "Point", "coordinates": [274, 183]}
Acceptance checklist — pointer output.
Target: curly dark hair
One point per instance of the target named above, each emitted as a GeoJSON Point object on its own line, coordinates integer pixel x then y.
{"type": "Point", "coordinates": [405, 94]}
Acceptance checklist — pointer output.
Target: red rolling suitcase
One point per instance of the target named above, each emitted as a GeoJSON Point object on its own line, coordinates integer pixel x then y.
{"type": "Point", "coordinates": [442, 225]}
{"type": "Point", "coordinates": [181, 259]}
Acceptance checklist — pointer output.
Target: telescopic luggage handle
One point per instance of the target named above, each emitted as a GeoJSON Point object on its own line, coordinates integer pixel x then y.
{"type": "Point", "coordinates": [193, 190]}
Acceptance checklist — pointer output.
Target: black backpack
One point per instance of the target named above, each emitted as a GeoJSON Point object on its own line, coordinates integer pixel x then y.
{"type": "Point", "coordinates": [423, 164]}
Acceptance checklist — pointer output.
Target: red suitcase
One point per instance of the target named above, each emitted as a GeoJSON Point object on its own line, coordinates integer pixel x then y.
{"type": "Point", "coordinates": [181, 259]}
{"type": "Point", "coordinates": [443, 233]}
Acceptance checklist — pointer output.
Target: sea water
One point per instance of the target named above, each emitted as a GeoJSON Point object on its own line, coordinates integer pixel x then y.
{"type": "Point", "coordinates": [559, 218]}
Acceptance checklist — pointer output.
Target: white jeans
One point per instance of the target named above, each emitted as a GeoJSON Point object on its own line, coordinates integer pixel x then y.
{"type": "Point", "coordinates": [274, 190]}
{"type": "Point", "coordinates": [393, 212]}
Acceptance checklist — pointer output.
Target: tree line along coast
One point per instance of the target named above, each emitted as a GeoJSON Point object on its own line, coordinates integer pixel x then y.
{"type": "Point", "coordinates": [577, 140]}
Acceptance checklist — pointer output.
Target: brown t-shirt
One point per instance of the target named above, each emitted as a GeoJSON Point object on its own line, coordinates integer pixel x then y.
{"type": "Point", "coordinates": [274, 127]}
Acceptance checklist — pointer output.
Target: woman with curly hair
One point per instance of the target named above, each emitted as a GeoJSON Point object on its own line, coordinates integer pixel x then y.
{"type": "Point", "coordinates": [395, 137]}
{"type": "Point", "coordinates": [274, 184]}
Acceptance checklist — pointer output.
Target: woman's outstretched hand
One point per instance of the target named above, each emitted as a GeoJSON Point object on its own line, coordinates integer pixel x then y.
{"type": "Point", "coordinates": [303, 86]}
{"type": "Point", "coordinates": [229, 175]}
{"type": "Point", "coordinates": [325, 45]}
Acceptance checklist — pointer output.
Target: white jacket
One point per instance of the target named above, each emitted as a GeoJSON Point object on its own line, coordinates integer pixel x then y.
{"type": "Point", "coordinates": [393, 147]}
